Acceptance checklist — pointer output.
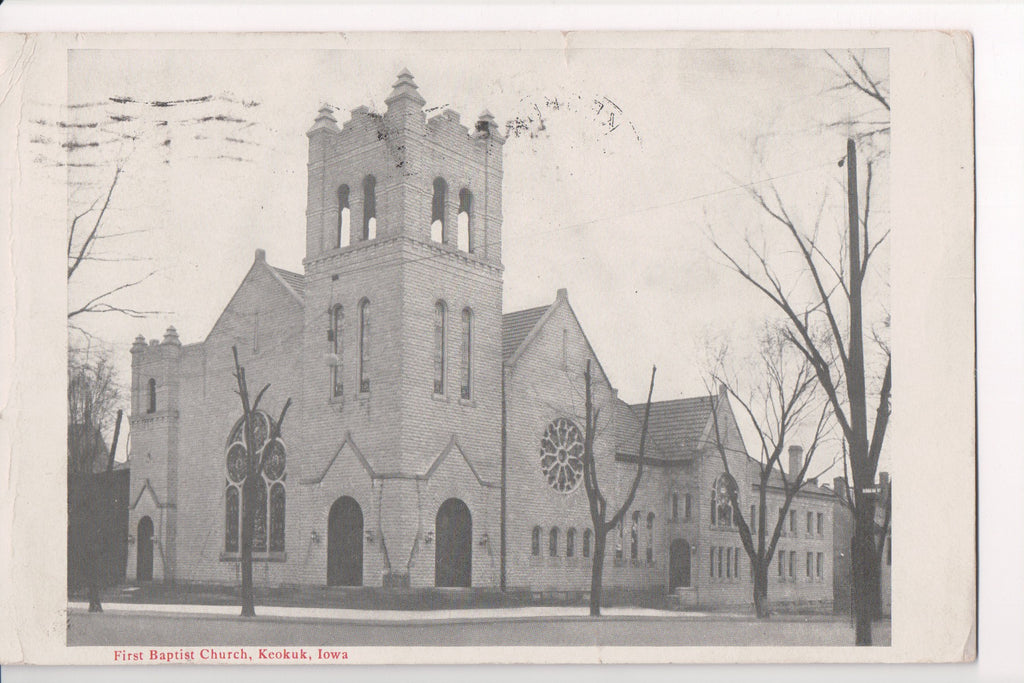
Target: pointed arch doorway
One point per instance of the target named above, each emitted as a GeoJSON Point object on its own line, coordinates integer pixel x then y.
{"type": "Point", "coordinates": [679, 565]}
{"type": "Point", "coordinates": [453, 551]}
{"type": "Point", "coordinates": [345, 543]}
{"type": "Point", "coordinates": [144, 550]}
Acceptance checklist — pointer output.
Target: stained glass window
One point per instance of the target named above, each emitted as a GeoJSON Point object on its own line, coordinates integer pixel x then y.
{"type": "Point", "coordinates": [561, 455]}
{"type": "Point", "coordinates": [364, 351]}
{"type": "Point", "coordinates": [259, 537]}
{"type": "Point", "coordinates": [553, 542]}
{"type": "Point", "coordinates": [586, 543]}
{"type": "Point", "coordinates": [570, 542]}
{"type": "Point", "coordinates": [277, 518]}
{"type": "Point", "coordinates": [535, 541]}
{"type": "Point", "coordinates": [439, 347]}
{"type": "Point", "coordinates": [467, 352]}
{"type": "Point", "coordinates": [269, 503]}
{"type": "Point", "coordinates": [337, 336]}
{"type": "Point", "coordinates": [231, 512]}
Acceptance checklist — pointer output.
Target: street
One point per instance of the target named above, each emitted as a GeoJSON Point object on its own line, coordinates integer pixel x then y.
{"type": "Point", "coordinates": [155, 629]}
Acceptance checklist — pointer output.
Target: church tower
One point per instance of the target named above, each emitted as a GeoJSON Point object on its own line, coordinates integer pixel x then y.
{"type": "Point", "coordinates": [403, 321]}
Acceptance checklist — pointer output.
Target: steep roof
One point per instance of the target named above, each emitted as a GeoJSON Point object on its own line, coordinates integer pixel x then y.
{"type": "Point", "coordinates": [516, 326]}
{"type": "Point", "coordinates": [628, 425]}
{"type": "Point", "coordinates": [296, 281]}
{"type": "Point", "coordinates": [676, 426]}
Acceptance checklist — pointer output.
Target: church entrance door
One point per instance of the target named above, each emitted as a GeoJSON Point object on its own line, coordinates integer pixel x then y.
{"type": "Point", "coordinates": [345, 543]}
{"type": "Point", "coordinates": [144, 550]}
{"type": "Point", "coordinates": [679, 565]}
{"type": "Point", "coordinates": [453, 552]}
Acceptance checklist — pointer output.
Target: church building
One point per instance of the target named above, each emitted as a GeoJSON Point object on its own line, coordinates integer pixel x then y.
{"type": "Point", "coordinates": [433, 440]}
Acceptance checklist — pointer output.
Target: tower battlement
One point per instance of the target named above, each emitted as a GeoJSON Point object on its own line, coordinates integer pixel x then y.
{"type": "Point", "coordinates": [397, 174]}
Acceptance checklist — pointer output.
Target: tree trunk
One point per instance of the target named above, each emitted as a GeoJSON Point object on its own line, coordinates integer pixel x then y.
{"type": "Point", "coordinates": [248, 522]}
{"type": "Point", "coordinates": [597, 573]}
{"type": "Point", "coordinates": [761, 606]}
{"type": "Point", "coordinates": [863, 559]}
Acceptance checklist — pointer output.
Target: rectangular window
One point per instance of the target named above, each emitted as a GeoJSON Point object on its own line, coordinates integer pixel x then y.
{"type": "Point", "coordinates": [719, 563]}
{"type": "Point", "coordinates": [821, 518]}
{"type": "Point", "coordinates": [782, 554]}
{"type": "Point", "coordinates": [821, 557]}
{"type": "Point", "coordinates": [364, 351]}
{"type": "Point", "coordinates": [753, 518]}
{"type": "Point", "coordinates": [792, 521]}
{"type": "Point", "coordinates": [810, 522]}
{"type": "Point", "coordinates": [792, 564]}
{"type": "Point", "coordinates": [728, 563]}
{"type": "Point", "coordinates": [782, 517]}
{"type": "Point", "coordinates": [686, 506]}
{"type": "Point", "coordinates": [736, 563]}
{"type": "Point", "coordinates": [711, 563]}
{"type": "Point", "coordinates": [810, 564]}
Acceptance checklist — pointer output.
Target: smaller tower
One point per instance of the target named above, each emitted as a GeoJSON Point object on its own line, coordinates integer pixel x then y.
{"type": "Point", "coordinates": [154, 448]}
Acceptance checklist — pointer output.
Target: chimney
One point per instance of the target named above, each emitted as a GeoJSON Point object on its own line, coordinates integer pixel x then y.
{"type": "Point", "coordinates": [839, 483]}
{"type": "Point", "coordinates": [796, 460]}
{"type": "Point", "coordinates": [883, 478]}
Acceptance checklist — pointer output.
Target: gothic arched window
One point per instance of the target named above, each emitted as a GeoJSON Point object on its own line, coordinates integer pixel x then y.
{"type": "Point", "coordinates": [465, 236]}
{"type": "Point", "coordinates": [586, 542]}
{"type": "Point", "coordinates": [269, 507]}
{"type": "Point", "coordinates": [440, 343]}
{"type": "Point", "coordinates": [152, 396]}
{"type": "Point", "coordinates": [570, 542]}
{"type": "Point", "coordinates": [344, 235]}
{"type": "Point", "coordinates": [364, 342]}
{"type": "Point", "coordinates": [466, 370]}
{"type": "Point", "coordinates": [553, 542]}
{"type": "Point", "coordinates": [337, 335]}
{"type": "Point", "coordinates": [535, 541]}
{"type": "Point", "coordinates": [437, 224]}
{"type": "Point", "coordinates": [369, 208]}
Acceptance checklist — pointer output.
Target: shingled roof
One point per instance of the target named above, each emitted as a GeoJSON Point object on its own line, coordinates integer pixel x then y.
{"type": "Point", "coordinates": [516, 326]}
{"type": "Point", "coordinates": [676, 426]}
{"type": "Point", "coordinates": [296, 281]}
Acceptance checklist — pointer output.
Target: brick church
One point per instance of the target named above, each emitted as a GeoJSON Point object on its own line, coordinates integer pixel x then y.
{"type": "Point", "coordinates": [433, 440]}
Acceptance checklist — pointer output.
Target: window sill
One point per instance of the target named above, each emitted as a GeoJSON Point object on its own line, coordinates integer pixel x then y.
{"type": "Point", "coordinates": [256, 557]}
{"type": "Point", "coordinates": [443, 398]}
{"type": "Point", "coordinates": [467, 402]}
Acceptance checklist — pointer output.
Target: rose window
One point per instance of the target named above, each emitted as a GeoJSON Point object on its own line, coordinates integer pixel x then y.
{"type": "Point", "coordinates": [237, 468]}
{"type": "Point", "coordinates": [561, 455]}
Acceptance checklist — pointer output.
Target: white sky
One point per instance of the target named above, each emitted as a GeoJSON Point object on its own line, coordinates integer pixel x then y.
{"type": "Point", "coordinates": [619, 217]}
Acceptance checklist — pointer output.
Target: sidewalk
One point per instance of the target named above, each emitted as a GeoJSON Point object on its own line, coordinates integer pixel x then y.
{"type": "Point", "coordinates": [406, 616]}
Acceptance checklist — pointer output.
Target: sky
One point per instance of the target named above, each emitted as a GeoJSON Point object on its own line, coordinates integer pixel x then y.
{"type": "Point", "coordinates": [619, 167]}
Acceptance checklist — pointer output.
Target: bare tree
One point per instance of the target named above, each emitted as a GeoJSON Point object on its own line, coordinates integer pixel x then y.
{"type": "Point", "coordinates": [93, 398]}
{"type": "Point", "coordinates": [781, 402]}
{"type": "Point", "coordinates": [598, 503]}
{"type": "Point", "coordinates": [835, 303]}
{"type": "Point", "coordinates": [256, 461]}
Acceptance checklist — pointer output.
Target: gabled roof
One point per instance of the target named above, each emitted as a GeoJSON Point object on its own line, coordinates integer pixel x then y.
{"type": "Point", "coordinates": [628, 425]}
{"type": "Point", "coordinates": [676, 426]}
{"type": "Point", "coordinates": [295, 281]}
{"type": "Point", "coordinates": [516, 326]}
